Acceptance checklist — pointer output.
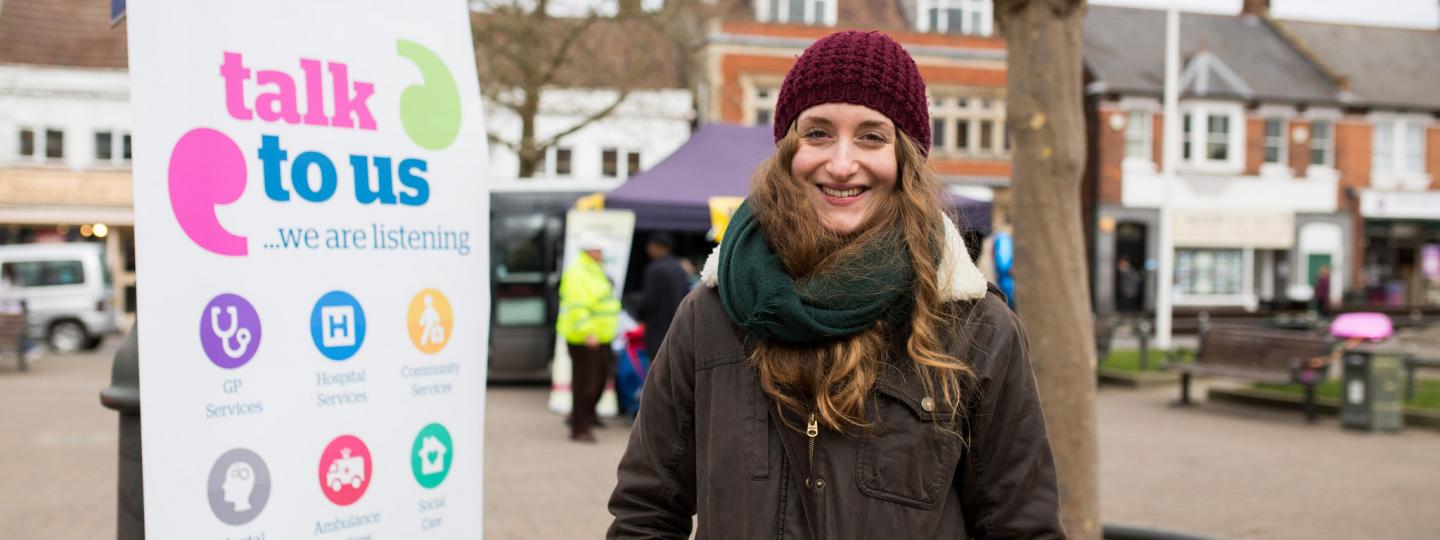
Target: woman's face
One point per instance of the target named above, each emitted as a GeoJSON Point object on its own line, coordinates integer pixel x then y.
{"type": "Point", "coordinates": [847, 159]}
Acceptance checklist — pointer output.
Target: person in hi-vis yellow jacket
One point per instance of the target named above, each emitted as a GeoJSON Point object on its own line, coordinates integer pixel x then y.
{"type": "Point", "coordinates": [589, 318]}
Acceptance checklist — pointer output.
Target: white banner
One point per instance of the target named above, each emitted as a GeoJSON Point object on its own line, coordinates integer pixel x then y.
{"type": "Point", "coordinates": [312, 228]}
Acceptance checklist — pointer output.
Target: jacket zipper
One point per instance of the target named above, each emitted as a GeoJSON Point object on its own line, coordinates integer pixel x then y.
{"type": "Point", "coordinates": [812, 431]}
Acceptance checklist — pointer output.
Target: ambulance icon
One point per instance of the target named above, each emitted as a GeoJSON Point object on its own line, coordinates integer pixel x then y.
{"type": "Point", "coordinates": [346, 470]}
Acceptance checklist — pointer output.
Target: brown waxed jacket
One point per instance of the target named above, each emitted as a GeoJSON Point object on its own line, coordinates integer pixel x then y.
{"type": "Point", "coordinates": [708, 443]}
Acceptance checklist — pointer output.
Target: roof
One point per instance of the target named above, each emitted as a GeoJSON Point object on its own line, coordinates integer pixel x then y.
{"type": "Point", "coordinates": [1227, 57]}
{"type": "Point", "coordinates": [69, 33]}
{"type": "Point", "coordinates": [1384, 67]}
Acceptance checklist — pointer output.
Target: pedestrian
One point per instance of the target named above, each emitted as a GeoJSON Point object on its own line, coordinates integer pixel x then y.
{"type": "Point", "coordinates": [1128, 281]}
{"type": "Point", "coordinates": [665, 285]}
{"type": "Point", "coordinates": [588, 320]}
{"type": "Point", "coordinates": [844, 371]}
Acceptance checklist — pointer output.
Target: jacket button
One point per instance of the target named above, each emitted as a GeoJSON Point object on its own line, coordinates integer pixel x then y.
{"type": "Point", "coordinates": [819, 484]}
{"type": "Point", "coordinates": [928, 404]}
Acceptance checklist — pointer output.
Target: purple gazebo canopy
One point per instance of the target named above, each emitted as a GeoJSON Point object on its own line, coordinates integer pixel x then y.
{"type": "Point", "coordinates": [719, 160]}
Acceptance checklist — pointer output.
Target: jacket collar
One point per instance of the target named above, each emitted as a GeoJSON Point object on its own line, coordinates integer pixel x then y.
{"type": "Point", "coordinates": [960, 280]}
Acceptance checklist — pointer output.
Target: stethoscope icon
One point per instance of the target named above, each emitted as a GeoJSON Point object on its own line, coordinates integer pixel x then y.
{"type": "Point", "coordinates": [241, 335]}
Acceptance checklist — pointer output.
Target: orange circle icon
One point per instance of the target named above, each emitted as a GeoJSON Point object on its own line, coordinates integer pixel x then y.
{"type": "Point", "coordinates": [430, 321]}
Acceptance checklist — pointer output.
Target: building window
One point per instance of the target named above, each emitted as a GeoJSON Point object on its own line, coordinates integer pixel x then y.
{"type": "Point", "coordinates": [104, 146]}
{"type": "Point", "coordinates": [557, 161]}
{"type": "Point", "coordinates": [632, 164]}
{"type": "Point", "coordinates": [125, 147]}
{"type": "Point", "coordinates": [1209, 139]}
{"type": "Point", "coordinates": [609, 163]}
{"type": "Point", "coordinates": [1185, 139]}
{"type": "Point", "coordinates": [1384, 150]}
{"type": "Point", "coordinates": [967, 125]}
{"type": "Point", "coordinates": [762, 104]}
{"type": "Point", "coordinates": [27, 142]}
{"type": "Point", "coordinates": [1320, 150]}
{"type": "Point", "coordinates": [971, 17]}
{"type": "Point", "coordinates": [54, 144]}
{"type": "Point", "coordinates": [1274, 140]}
{"type": "Point", "coordinates": [1399, 147]}
{"type": "Point", "coordinates": [1209, 271]}
{"type": "Point", "coordinates": [1137, 135]}
{"type": "Point", "coordinates": [811, 12]}
{"type": "Point", "coordinates": [562, 162]}
{"type": "Point", "coordinates": [1217, 137]}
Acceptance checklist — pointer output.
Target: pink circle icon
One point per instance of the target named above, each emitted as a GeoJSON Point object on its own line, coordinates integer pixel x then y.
{"type": "Point", "coordinates": [345, 470]}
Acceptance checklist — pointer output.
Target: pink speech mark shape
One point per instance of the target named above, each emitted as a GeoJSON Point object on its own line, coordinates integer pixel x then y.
{"type": "Point", "coordinates": [207, 169]}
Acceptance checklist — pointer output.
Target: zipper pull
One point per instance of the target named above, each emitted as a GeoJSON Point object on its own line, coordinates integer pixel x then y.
{"type": "Point", "coordinates": [812, 429]}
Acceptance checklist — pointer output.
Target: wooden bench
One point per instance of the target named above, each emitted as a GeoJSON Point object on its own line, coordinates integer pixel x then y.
{"type": "Point", "coordinates": [1259, 355]}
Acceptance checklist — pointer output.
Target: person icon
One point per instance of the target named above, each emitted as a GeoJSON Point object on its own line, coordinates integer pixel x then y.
{"type": "Point", "coordinates": [239, 484]}
{"type": "Point", "coordinates": [432, 331]}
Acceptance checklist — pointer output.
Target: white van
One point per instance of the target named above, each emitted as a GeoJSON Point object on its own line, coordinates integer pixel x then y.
{"type": "Point", "coordinates": [67, 289]}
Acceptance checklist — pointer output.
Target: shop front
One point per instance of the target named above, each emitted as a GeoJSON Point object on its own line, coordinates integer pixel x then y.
{"type": "Point", "coordinates": [1402, 248]}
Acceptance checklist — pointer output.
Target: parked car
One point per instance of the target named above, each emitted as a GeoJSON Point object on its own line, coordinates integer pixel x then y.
{"type": "Point", "coordinates": [67, 290]}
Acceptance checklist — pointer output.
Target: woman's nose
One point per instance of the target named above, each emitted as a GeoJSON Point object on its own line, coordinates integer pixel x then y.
{"type": "Point", "coordinates": [842, 164]}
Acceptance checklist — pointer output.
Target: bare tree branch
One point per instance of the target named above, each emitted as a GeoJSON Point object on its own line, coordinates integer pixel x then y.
{"type": "Point", "coordinates": [619, 99]}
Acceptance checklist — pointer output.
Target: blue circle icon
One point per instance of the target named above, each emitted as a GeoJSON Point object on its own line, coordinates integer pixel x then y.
{"type": "Point", "coordinates": [337, 325]}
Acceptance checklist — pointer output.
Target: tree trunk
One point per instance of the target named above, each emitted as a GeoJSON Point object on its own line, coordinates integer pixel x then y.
{"type": "Point", "coordinates": [1044, 112]}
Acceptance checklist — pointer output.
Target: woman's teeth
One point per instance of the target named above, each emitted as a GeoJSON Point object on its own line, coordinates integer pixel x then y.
{"type": "Point", "coordinates": [838, 193]}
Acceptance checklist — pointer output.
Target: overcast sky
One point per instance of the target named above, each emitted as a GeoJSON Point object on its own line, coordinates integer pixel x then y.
{"type": "Point", "coordinates": [1406, 13]}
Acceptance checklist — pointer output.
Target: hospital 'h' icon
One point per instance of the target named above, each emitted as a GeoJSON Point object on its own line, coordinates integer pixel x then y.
{"type": "Point", "coordinates": [337, 325]}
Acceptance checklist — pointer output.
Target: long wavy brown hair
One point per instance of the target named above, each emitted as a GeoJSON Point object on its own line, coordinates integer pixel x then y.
{"type": "Point", "coordinates": [833, 379]}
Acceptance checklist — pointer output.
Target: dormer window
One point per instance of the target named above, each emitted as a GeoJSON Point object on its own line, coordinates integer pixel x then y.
{"type": "Point", "coordinates": [810, 12]}
{"type": "Point", "coordinates": [969, 17]}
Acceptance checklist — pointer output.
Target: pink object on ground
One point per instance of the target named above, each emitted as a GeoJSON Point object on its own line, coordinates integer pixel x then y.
{"type": "Point", "coordinates": [1366, 325]}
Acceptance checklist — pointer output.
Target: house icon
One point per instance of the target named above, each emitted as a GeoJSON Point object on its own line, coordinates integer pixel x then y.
{"type": "Point", "coordinates": [432, 456]}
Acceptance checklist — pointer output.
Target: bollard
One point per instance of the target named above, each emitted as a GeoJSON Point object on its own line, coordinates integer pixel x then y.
{"type": "Point", "coordinates": [123, 396]}
{"type": "Point", "coordinates": [1142, 331]}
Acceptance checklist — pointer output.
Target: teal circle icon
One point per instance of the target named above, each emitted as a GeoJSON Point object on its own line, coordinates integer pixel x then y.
{"type": "Point", "coordinates": [431, 455]}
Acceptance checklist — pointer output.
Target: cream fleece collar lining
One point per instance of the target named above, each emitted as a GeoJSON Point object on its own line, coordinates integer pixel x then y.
{"type": "Point", "coordinates": [959, 278]}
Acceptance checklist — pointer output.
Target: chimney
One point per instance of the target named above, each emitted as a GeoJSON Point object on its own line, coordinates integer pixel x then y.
{"type": "Point", "coordinates": [1258, 8]}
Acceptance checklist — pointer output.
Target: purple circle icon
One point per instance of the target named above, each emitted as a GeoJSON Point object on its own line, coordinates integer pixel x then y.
{"type": "Point", "coordinates": [229, 331]}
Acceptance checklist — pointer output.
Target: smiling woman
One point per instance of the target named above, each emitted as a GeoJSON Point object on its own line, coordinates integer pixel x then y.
{"type": "Point", "coordinates": [845, 372]}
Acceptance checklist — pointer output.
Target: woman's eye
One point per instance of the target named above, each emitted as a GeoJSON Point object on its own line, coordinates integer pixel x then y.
{"type": "Point", "coordinates": [816, 134]}
{"type": "Point", "coordinates": [875, 138]}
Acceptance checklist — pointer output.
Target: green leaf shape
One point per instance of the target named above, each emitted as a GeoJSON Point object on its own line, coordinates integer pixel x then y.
{"type": "Point", "coordinates": [430, 111]}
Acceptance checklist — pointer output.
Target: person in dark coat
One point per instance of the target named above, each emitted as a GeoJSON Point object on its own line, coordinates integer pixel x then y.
{"type": "Point", "coordinates": [843, 371]}
{"type": "Point", "coordinates": [665, 285]}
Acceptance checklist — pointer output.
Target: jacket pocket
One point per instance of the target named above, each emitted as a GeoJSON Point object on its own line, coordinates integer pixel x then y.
{"type": "Point", "coordinates": [910, 453]}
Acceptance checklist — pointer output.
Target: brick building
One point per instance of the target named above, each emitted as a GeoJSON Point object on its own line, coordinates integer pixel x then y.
{"type": "Point", "coordinates": [1388, 150]}
{"type": "Point", "coordinates": [1280, 174]}
{"type": "Point", "coordinates": [755, 42]}
{"type": "Point", "coordinates": [65, 131]}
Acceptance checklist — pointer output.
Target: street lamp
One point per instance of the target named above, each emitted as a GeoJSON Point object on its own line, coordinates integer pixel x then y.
{"type": "Point", "coordinates": [1165, 278]}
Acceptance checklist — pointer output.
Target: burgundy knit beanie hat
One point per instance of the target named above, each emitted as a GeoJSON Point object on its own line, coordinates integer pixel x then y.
{"type": "Point", "coordinates": [861, 68]}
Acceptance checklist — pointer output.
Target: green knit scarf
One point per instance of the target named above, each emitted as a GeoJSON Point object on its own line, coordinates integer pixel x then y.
{"type": "Point", "coordinates": [758, 294]}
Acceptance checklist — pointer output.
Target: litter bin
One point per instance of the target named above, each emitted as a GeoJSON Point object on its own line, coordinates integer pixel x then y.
{"type": "Point", "coordinates": [1372, 391]}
